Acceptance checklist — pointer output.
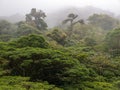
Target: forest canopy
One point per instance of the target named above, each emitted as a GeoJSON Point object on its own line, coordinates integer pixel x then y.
{"type": "Point", "coordinates": [78, 54]}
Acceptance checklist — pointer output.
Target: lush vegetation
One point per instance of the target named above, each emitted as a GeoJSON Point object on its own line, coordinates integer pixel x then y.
{"type": "Point", "coordinates": [76, 56]}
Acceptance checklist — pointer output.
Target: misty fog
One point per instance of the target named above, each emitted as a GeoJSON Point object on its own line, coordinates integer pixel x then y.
{"type": "Point", "coordinates": [10, 7]}
{"type": "Point", "coordinates": [57, 10]}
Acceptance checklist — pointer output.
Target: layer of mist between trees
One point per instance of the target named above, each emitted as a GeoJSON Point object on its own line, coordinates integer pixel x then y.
{"type": "Point", "coordinates": [75, 55]}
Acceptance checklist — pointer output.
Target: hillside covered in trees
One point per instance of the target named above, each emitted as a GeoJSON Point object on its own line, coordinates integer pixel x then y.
{"type": "Point", "coordinates": [77, 54]}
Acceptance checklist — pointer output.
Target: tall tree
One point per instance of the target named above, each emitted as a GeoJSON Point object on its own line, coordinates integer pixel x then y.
{"type": "Point", "coordinates": [71, 19]}
{"type": "Point", "coordinates": [36, 18]}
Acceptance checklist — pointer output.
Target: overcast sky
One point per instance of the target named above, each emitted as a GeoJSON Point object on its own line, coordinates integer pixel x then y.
{"type": "Point", "coordinates": [9, 7]}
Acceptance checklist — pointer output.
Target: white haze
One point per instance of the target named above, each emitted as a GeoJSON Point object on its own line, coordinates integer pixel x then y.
{"type": "Point", "coordinates": [10, 7]}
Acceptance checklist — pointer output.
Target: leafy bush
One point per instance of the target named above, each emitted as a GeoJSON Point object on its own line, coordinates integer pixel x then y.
{"type": "Point", "coordinates": [22, 83]}
{"type": "Point", "coordinates": [25, 29]}
{"type": "Point", "coordinates": [30, 41]}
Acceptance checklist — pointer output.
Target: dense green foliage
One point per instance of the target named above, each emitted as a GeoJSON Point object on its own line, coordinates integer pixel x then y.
{"type": "Point", "coordinates": [25, 29]}
{"type": "Point", "coordinates": [22, 83]}
{"type": "Point", "coordinates": [58, 35]}
{"type": "Point", "coordinates": [113, 42]}
{"type": "Point", "coordinates": [85, 58]}
{"type": "Point", "coordinates": [30, 41]}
